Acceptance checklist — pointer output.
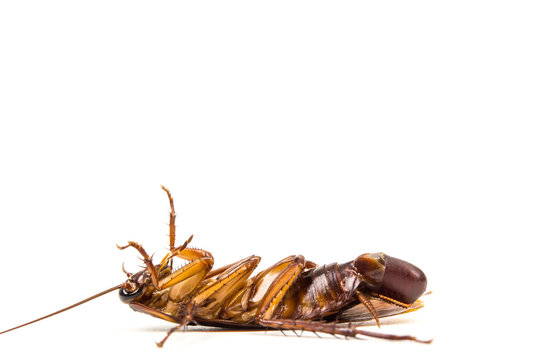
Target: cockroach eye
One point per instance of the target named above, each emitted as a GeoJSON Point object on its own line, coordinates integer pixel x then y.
{"type": "Point", "coordinates": [126, 296]}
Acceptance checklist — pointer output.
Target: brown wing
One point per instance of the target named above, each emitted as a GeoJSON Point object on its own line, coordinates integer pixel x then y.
{"type": "Point", "coordinates": [383, 308]}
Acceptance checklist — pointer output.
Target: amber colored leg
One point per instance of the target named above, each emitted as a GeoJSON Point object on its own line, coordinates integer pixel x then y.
{"type": "Point", "coordinates": [189, 276]}
{"type": "Point", "coordinates": [289, 269]}
{"type": "Point", "coordinates": [147, 260]}
{"type": "Point", "coordinates": [176, 328]}
{"type": "Point", "coordinates": [208, 298]}
{"type": "Point", "coordinates": [183, 320]}
{"type": "Point", "coordinates": [214, 272]}
{"type": "Point", "coordinates": [136, 306]}
{"type": "Point", "coordinates": [222, 269]}
{"type": "Point", "coordinates": [217, 290]}
{"type": "Point", "coordinates": [195, 272]}
{"type": "Point", "coordinates": [365, 301]}
{"type": "Point", "coordinates": [332, 328]}
{"type": "Point", "coordinates": [185, 253]}
{"type": "Point", "coordinates": [172, 220]}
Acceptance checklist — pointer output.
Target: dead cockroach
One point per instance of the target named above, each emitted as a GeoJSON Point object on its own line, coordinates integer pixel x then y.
{"type": "Point", "coordinates": [293, 294]}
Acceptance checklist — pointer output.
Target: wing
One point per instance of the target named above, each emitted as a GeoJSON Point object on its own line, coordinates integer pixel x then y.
{"type": "Point", "coordinates": [383, 308]}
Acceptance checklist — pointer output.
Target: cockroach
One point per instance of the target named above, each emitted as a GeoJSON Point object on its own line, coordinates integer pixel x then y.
{"type": "Point", "coordinates": [293, 294]}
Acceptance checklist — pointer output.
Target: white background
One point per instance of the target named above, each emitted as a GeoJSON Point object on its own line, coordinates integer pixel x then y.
{"type": "Point", "coordinates": [323, 128]}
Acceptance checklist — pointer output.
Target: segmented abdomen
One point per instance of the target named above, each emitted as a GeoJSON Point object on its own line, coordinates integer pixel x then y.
{"type": "Point", "coordinates": [320, 292]}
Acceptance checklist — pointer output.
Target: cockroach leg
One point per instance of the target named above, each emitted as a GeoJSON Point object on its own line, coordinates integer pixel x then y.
{"type": "Point", "coordinates": [280, 285]}
{"type": "Point", "coordinates": [167, 260]}
{"type": "Point", "coordinates": [128, 274]}
{"type": "Point", "coordinates": [137, 306]}
{"type": "Point", "coordinates": [364, 300]}
{"type": "Point", "coordinates": [332, 329]}
{"type": "Point", "coordinates": [160, 343]}
{"type": "Point", "coordinates": [147, 261]}
{"type": "Point", "coordinates": [181, 321]}
{"type": "Point", "coordinates": [181, 324]}
{"type": "Point", "coordinates": [222, 269]}
{"type": "Point", "coordinates": [212, 295]}
{"type": "Point", "coordinates": [172, 221]}
{"type": "Point", "coordinates": [187, 278]}
{"type": "Point", "coordinates": [183, 280]}
{"type": "Point", "coordinates": [186, 253]}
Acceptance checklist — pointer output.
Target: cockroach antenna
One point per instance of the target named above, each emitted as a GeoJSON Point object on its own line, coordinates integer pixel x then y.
{"type": "Point", "coordinates": [66, 308]}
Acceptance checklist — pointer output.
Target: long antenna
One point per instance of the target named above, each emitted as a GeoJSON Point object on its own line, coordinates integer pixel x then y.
{"type": "Point", "coordinates": [66, 308]}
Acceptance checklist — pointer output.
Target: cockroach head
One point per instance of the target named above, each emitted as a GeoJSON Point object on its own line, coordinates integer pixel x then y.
{"type": "Point", "coordinates": [133, 286]}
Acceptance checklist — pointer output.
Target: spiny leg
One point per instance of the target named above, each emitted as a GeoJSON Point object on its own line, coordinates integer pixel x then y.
{"type": "Point", "coordinates": [147, 261]}
{"type": "Point", "coordinates": [187, 317]}
{"type": "Point", "coordinates": [218, 271]}
{"type": "Point", "coordinates": [182, 319]}
{"type": "Point", "coordinates": [292, 268]}
{"type": "Point", "coordinates": [332, 328]}
{"type": "Point", "coordinates": [187, 278]}
{"type": "Point", "coordinates": [239, 305]}
{"type": "Point", "coordinates": [365, 301]}
{"type": "Point", "coordinates": [176, 328]}
{"type": "Point", "coordinates": [190, 275]}
{"type": "Point", "coordinates": [218, 290]}
{"type": "Point", "coordinates": [172, 221]}
{"type": "Point", "coordinates": [176, 252]}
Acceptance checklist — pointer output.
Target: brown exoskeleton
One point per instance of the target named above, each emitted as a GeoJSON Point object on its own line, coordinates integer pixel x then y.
{"type": "Point", "coordinates": [293, 294]}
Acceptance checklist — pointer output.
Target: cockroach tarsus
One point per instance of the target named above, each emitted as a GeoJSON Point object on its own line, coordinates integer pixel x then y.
{"type": "Point", "coordinates": [293, 294]}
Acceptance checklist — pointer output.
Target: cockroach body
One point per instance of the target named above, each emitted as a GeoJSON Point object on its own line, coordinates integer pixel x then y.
{"type": "Point", "coordinates": [293, 294]}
